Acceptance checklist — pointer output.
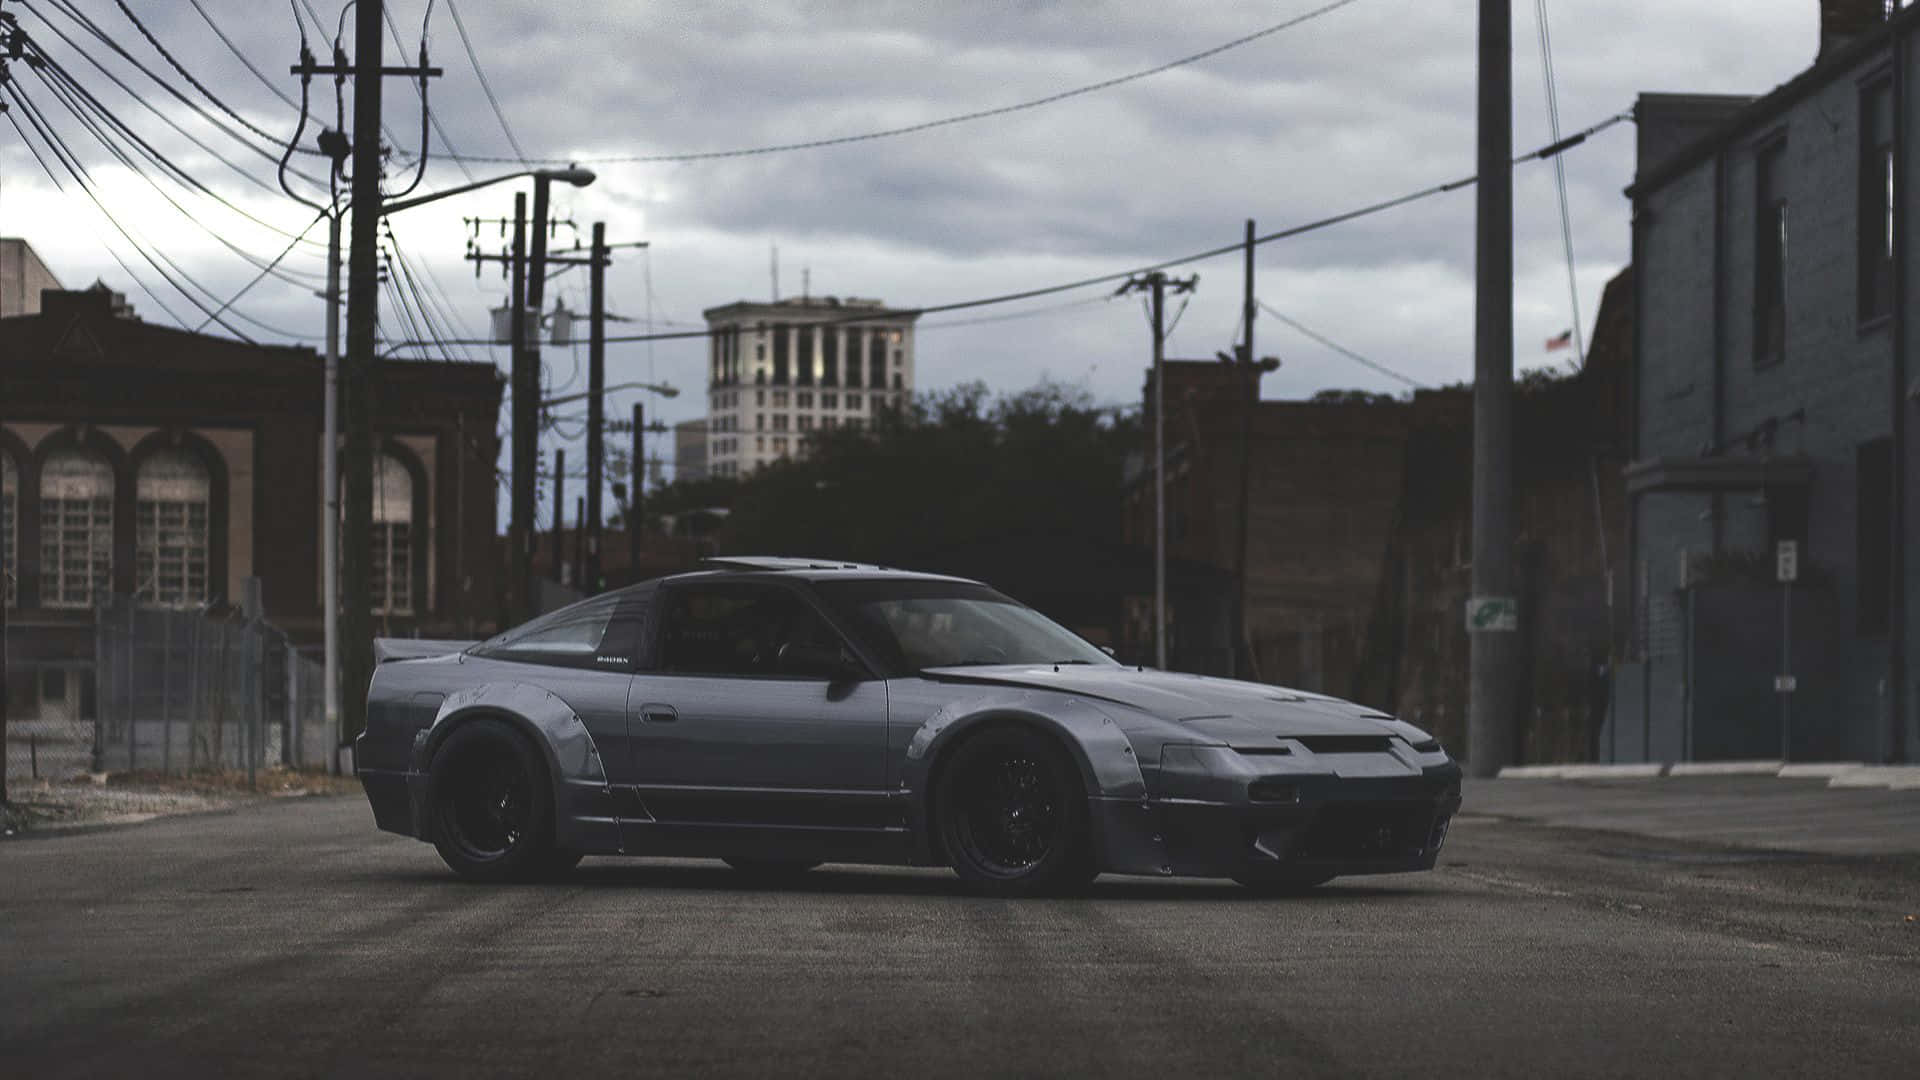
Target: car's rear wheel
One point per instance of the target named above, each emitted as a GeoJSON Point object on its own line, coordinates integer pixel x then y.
{"type": "Point", "coordinates": [492, 806]}
{"type": "Point", "coordinates": [770, 871]}
{"type": "Point", "coordinates": [1283, 885]}
{"type": "Point", "coordinates": [1012, 814]}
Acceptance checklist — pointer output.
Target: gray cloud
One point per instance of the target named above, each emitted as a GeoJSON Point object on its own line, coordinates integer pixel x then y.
{"type": "Point", "coordinates": [1369, 102]}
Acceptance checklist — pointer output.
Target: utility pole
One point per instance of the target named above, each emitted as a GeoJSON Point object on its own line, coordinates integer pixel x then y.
{"type": "Point", "coordinates": [6, 579]}
{"type": "Point", "coordinates": [526, 416]}
{"type": "Point", "coordinates": [1157, 283]}
{"type": "Point", "coordinates": [580, 544]}
{"type": "Point", "coordinates": [559, 508]}
{"type": "Point", "coordinates": [330, 487]}
{"type": "Point", "coordinates": [1492, 611]}
{"type": "Point", "coordinates": [596, 407]}
{"type": "Point", "coordinates": [355, 372]}
{"type": "Point", "coordinates": [1240, 649]}
{"type": "Point", "coordinates": [529, 356]}
{"type": "Point", "coordinates": [363, 284]}
{"type": "Point", "coordinates": [639, 480]}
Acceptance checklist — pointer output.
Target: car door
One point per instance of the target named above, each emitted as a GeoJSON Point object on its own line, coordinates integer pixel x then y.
{"type": "Point", "coordinates": [739, 720]}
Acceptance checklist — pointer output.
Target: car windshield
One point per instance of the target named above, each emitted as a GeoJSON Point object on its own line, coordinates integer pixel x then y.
{"type": "Point", "coordinates": [929, 624]}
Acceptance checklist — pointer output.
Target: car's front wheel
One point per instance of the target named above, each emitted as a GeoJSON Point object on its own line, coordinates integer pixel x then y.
{"type": "Point", "coordinates": [1012, 814]}
{"type": "Point", "coordinates": [492, 805]}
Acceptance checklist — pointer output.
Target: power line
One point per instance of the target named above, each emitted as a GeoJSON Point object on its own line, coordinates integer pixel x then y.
{"type": "Point", "coordinates": [81, 178]}
{"type": "Point", "coordinates": [195, 83]}
{"type": "Point", "coordinates": [1050, 309]}
{"type": "Point", "coordinates": [1550, 150]}
{"type": "Point", "coordinates": [520, 155]}
{"type": "Point", "coordinates": [910, 129]}
{"type": "Point", "coordinates": [264, 271]}
{"type": "Point", "coordinates": [1560, 178]}
{"type": "Point", "coordinates": [13, 118]}
{"type": "Point", "coordinates": [80, 19]}
{"type": "Point", "coordinates": [235, 50]}
{"type": "Point", "coordinates": [420, 92]}
{"type": "Point", "coordinates": [80, 102]}
{"type": "Point", "coordinates": [1341, 349]}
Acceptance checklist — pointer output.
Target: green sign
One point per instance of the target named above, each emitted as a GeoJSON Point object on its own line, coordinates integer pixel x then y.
{"type": "Point", "coordinates": [1489, 613]}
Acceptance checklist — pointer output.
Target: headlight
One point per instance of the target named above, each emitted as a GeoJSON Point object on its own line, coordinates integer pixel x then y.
{"type": "Point", "coordinates": [1421, 742]}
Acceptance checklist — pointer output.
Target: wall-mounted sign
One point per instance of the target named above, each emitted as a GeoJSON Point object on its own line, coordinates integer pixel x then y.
{"type": "Point", "coordinates": [1492, 613]}
{"type": "Point", "coordinates": [1786, 561]}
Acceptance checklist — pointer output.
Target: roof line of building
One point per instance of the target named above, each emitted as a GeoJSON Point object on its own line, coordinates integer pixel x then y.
{"type": "Point", "coordinates": [1766, 107]}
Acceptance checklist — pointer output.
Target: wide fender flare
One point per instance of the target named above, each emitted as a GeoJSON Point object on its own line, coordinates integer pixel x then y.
{"type": "Point", "coordinates": [1102, 751]}
{"type": "Point", "coordinates": [543, 715]}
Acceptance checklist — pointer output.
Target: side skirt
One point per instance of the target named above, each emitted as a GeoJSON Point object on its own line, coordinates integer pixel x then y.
{"type": "Point", "coordinates": [802, 825]}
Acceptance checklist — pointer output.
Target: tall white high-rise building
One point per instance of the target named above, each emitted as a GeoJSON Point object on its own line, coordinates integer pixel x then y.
{"type": "Point", "coordinates": [779, 372]}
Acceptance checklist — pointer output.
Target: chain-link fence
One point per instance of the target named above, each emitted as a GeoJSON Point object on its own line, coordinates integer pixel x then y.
{"type": "Point", "coordinates": [169, 691]}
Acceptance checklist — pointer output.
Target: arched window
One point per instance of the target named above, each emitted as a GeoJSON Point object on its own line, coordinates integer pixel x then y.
{"type": "Point", "coordinates": [76, 529]}
{"type": "Point", "coordinates": [392, 563]}
{"type": "Point", "coordinates": [172, 493]}
{"type": "Point", "coordinates": [9, 529]}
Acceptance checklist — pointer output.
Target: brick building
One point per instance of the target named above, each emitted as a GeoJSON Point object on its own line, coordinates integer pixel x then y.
{"type": "Point", "coordinates": [1324, 484]}
{"type": "Point", "coordinates": [1772, 397]}
{"type": "Point", "coordinates": [1359, 537]}
{"type": "Point", "coordinates": [1569, 552]}
{"type": "Point", "coordinates": [139, 460]}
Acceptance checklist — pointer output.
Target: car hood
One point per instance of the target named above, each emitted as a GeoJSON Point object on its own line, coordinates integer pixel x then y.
{"type": "Point", "coordinates": [1241, 714]}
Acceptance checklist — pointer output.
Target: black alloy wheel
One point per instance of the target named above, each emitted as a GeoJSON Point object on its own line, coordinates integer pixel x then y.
{"type": "Point", "coordinates": [1012, 813]}
{"type": "Point", "coordinates": [492, 806]}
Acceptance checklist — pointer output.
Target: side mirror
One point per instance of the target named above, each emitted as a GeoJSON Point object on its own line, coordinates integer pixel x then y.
{"type": "Point", "coordinates": [1108, 649]}
{"type": "Point", "coordinates": [831, 662]}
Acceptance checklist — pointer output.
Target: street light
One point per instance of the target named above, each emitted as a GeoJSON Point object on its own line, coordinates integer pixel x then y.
{"type": "Point", "coordinates": [573, 174]}
{"type": "Point", "coordinates": [330, 479]}
{"type": "Point", "coordinates": [663, 389]}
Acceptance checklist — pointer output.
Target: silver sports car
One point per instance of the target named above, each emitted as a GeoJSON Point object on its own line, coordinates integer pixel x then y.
{"type": "Point", "coordinates": [782, 713]}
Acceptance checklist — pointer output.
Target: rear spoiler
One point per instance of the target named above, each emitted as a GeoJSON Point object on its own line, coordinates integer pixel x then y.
{"type": "Point", "coordinates": [399, 648]}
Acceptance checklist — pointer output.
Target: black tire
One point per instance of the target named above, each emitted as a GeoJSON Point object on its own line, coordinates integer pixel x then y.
{"type": "Point", "coordinates": [491, 802]}
{"type": "Point", "coordinates": [769, 871]}
{"type": "Point", "coordinates": [1012, 815]}
{"type": "Point", "coordinates": [1284, 885]}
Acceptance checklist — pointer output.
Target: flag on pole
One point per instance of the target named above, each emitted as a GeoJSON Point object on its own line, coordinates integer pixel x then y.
{"type": "Point", "coordinates": [1563, 341]}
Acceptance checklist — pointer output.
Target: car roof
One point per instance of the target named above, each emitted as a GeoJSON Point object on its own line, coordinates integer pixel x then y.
{"type": "Point", "coordinates": [810, 569]}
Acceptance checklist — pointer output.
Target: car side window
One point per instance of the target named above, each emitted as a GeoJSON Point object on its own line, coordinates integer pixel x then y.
{"type": "Point", "coordinates": [601, 632]}
{"type": "Point", "coordinates": [739, 629]}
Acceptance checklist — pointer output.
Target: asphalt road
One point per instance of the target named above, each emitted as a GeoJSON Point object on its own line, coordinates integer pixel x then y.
{"type": "Point", "coordinates": [293, 939]}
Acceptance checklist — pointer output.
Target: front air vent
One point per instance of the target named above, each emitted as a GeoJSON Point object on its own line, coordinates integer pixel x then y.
{"type": "Point", "coordinates": [1347, 744]}
{"type": "Point", "coordinates": [1272, 791]}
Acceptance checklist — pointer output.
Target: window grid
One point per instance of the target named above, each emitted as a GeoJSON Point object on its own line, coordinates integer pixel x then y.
{"type": "Point", "coordinates": [170, 552]}
{"type": "Point", "coordinates": [76, 550]}
{"type": "Point", "coordinates": [392, 570]}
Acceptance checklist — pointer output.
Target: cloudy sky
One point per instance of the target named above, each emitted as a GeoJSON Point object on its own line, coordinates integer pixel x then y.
{"type": "Point", "coordinates": [1363, 103]}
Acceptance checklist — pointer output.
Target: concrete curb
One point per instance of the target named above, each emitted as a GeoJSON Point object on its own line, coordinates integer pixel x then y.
{"type": "Point", "coordinates": [1892, 777]}
{"type": "Point", "coordinates": [1725, 768]}
{"type": "Point", "coordinates": [1837, 774]}
{"type": "Point", "coordinates": [1818, 769]}
{"type": "Point", "coordinates": [1637, 771]}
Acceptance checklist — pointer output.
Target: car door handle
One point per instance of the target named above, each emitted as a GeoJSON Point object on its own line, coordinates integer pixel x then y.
{"type": "Point", "coordinates": [658, 714]}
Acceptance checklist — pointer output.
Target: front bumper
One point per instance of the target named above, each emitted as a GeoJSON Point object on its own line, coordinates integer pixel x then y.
{"type": "Point", "coordinates": [1294, 826]}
